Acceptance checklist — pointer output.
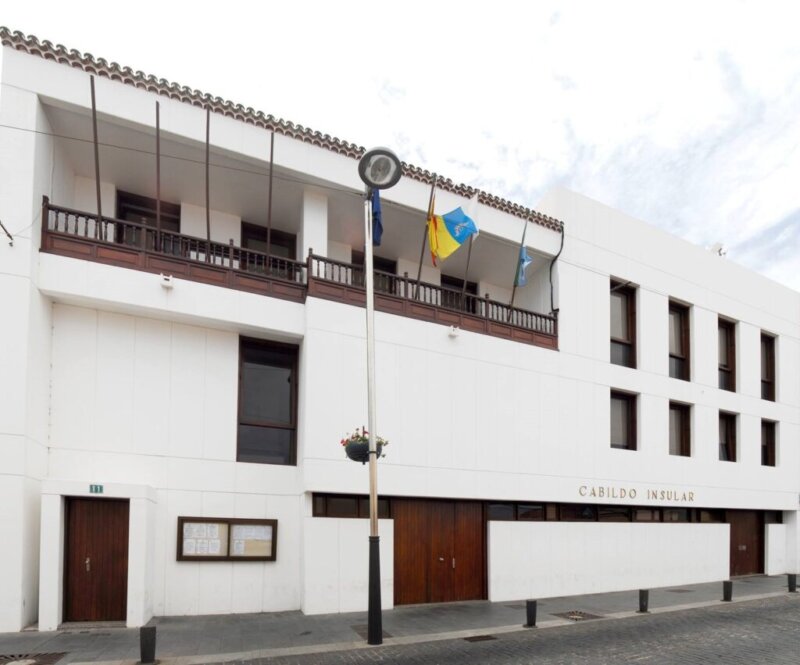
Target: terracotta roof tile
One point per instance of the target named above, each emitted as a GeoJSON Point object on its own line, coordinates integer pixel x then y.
{"type": "Point", "coordinates": [101, 67]}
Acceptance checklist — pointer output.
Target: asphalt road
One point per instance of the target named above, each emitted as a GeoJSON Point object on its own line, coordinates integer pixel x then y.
{"type": "Point", "coordinates": [764, 632]}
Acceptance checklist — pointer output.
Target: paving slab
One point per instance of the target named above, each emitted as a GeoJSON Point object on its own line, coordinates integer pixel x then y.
{"type": "Point", "coordinates": [196, 639]}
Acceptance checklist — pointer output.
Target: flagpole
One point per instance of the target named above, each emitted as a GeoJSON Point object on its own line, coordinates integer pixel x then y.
{"type": "Point", "coordinates": [469, 251]}
{"type": "Point", "coordinates": [158, 177]}
{"type": "Point", "coordinates": [269, 204]}
{"type": "Point", "coordinates": [425, 235]}
{"type": "Point", "coordinates": [100, 230]}
{"type": "Point", "coordinates": [208, 185]}
{"type": "Point", "coordinates": [466, 271]}
{"type": "Point", "coordinates": [516, 274]}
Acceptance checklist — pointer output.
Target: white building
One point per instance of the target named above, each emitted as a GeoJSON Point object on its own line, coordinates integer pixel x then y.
{"type": "Point", "coordinates": [523, 461]}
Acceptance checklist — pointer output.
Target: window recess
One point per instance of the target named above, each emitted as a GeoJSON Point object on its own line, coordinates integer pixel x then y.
{"type": "Point", "coordinates": [727, 437]}
{"type": "Point", "coordinates": [726, 332]}
{"type": "Point", "coordinates": [623, 324]}
{"type": "Point", "coordinates": [267, 403]}
{"type": "Point", "coordinates": [678, 341]}
{"type": "Point", "coordinates": [680, 441]}
{"type": "Point", "coordinates": [623, 420]}
{"type": "Point", "coordinates": [767, 367]}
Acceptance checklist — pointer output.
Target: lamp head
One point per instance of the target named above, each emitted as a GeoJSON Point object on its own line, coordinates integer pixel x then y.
{"type": "Point", "coordinates": [380, 168]}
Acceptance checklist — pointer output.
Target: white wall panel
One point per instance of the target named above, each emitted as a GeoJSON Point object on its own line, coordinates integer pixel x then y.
{"type": "Point", "coordinates": [336, 564]}
{"type": "Point", "coordinates": [548, 559]}
{"type": "Point", "coordinates": [775, 549]}
{"type": "Point", "coordinates": [224, 226]}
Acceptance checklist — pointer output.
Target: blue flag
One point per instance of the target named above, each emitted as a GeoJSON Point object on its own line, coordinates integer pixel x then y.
{"type": "Point", "coordinates": [524, 262]}
{"type": "Point", "coordinates": [377, 225]}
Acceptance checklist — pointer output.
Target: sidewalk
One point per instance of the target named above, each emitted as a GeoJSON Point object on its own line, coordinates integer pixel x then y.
{"type": "Point", "coordinates": [199, 639]}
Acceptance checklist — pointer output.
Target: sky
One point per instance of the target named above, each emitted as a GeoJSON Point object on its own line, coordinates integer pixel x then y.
{"type": "Point", "coordinates": [683, 114]}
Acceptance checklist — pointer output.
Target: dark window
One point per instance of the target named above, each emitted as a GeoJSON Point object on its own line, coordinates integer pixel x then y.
{"type": "Point", "coordinates": [680, 432]}
{"type": "Point", "coordinates": [281, 244]}
{"type": "Point", "coordinates": [727, 355]}
{"type": "Point", "coordinates": [646, 515]}
{"type": "Point", "coordinates": [767, 443]}
{"type": "Point", "coordinates": [678, 341]}
{"type": "Point", "coordinates": [675, 515]}
{"type": "Point", "coordinates": [452, 290]}
{"type": "Point", "coordinates": [267, 402]}
{"type": "Point", "coordinates": [385, 271]}
{"type": "Point", "coordinates": [500, 511]}
{"type": "Point", "coordinates": [613, 514]}
{"type": "Point", "coordinates": [623, 420]}
{"type": "Point", "coordinates": [383, 508]}
{"type": "Point", "coordinates": [773, 517]}
{"type": "Point", "coordinates": [574, 512]}
{"type": "Point", "coordinates": [341, 506]}
{"type": "Point", "coordinates": [727, 437]}
{"type": "Point", "coordinates": [623, 325]}
{"type": "Point", "coordinates": [705, 515]}
{"type": "Point", "coordinates": [767, 367]}
{"type": "Point", "coordinates": [530, 512]}
{"type": "Point", "coordinates": [142, 210]}
{"type": "Point", "coordinates": [347, 505]}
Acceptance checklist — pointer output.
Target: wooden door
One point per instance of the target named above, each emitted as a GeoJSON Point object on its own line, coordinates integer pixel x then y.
{"type": "Point", "coordinates": [441, 536]}
{"type": "Point", "coordinates": [439, 551]}
{"type": "Point", "coordinates": [96, 560]}
{"type": "Point", "coordinates": [470, 561]}
{"type": "Point", "coordinates": [747, 542]}
{"type": "Point", "coordinates": [410, 551]}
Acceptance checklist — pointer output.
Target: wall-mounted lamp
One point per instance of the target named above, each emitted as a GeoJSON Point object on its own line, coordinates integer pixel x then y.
{"type": "Point", "coordinates": [166, 281]}
{"type": "Point", "coordinates": [453, 332]}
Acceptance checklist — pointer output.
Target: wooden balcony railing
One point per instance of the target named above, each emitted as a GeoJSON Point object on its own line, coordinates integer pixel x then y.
{"type": "Point", "coordinates": [133, 245]}
{"type": "Point", "coordinates": [396, 294]}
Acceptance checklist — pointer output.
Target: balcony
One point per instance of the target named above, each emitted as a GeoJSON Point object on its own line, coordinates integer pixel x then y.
{"type": "Point", "coordinates": [126, 244]}
{"type": "Point", "coordinates": [395, 294]}
{"type": "Point", "coordinates": [83, 235]}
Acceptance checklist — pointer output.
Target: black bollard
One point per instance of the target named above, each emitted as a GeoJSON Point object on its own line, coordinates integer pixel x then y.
{"type": "Point", "coordinates": [644, 600]}
{"type": "Point", "coordinates": [147, 644]}
{"type": "Point", "coordinates": [792, 583]}
{"type": "Point", "coordinates": [530, 614]}
{"type": "Point", "coordinates": [727, 591]}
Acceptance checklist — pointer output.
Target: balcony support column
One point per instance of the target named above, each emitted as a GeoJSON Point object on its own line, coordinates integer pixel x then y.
{"type": "Point", "coordinates": [313, 225]}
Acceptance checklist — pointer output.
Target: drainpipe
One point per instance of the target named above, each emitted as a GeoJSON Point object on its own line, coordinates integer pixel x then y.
{"type": "Point", "coordinates": [553, 309]}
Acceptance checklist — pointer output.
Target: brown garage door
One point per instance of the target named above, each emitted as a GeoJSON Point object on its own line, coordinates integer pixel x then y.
{"type": "Point", "coordinates": [96, 560]}
{"type": "Point", "coordinates": [439, 551]}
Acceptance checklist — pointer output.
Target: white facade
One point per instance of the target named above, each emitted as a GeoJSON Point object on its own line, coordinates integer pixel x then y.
{"type": "Point", "coordinates": [109, 378]}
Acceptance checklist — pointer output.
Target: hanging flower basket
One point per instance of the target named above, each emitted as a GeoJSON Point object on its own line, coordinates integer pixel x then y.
{"type": "Point", "coordinates": [356, 445]}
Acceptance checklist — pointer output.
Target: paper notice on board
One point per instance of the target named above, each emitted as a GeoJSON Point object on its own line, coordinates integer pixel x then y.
{"type": "Point", "coordinates": [189, 546]}
{"type": "Point", "coordinates": [238, 547]}
{"type": "Point", "coordinates": [214, 546]}
{"type": "Point", "coordinates": [262, 533]}
{"type": "Point", "coordinates": [202, 546]}
{"type": "Point", "coordinates": [212, 531]}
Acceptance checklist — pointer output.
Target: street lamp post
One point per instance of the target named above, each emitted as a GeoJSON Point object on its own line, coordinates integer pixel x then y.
{"type": "Point", "coordinates": [379, 168]}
